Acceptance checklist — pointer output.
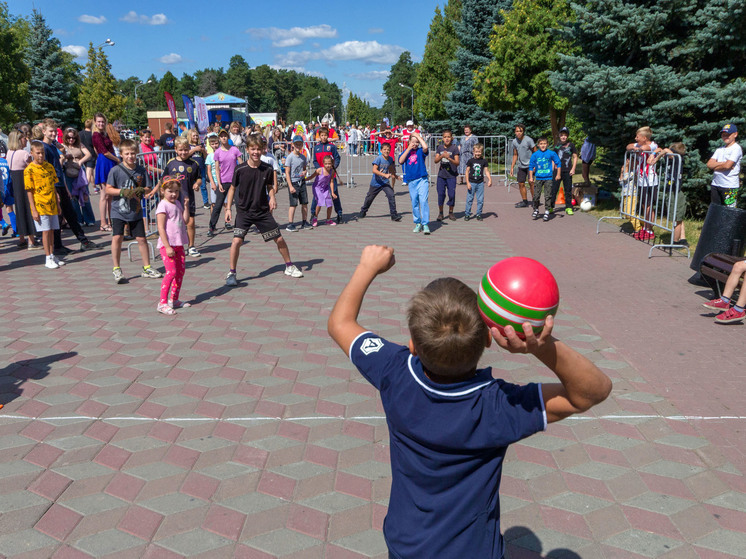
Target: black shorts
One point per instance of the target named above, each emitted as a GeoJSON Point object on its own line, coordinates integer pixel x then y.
{"type": "Point", "coordinates": [522, 174]}
{"type": "Point", "coordinates": [192, 201]}
{"type": "Point", "coordinates": [137, 227]}
{"type": "Point", "coordinates": [723, 196]}
{"type": "Point", "coordinates": [646, 195]}
{"type": "Point", "coordinates": [265, 223]}
{"type": "Point", "coordinates": [301, 194]}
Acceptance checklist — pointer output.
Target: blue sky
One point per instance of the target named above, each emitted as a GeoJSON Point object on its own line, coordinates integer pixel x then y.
{"type": "Point", "coordinates": [351, 42]}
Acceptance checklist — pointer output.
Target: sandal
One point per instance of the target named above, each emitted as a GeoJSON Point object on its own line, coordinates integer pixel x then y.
{"type": "Point", "coordinates": [105, 228]}
{"type": "Point", "coordinates": [165, 309]}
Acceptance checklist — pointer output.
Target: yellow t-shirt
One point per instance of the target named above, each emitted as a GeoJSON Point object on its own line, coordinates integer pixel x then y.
{"type": "Point", "coordinates": [40, 179]}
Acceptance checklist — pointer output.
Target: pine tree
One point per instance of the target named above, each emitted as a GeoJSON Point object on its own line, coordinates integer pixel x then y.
{"type": "Point", "coordinates": [677, 67]}
{"type": "Point", "coordinates": [49, 85]}
{"type": "Point", "coordinates": [525, 49]}
{"type": "Point", "coordinates": [435, 80]}
{"type": "Point", "coordinates": [170, 84]}
{"type": "Point", "coordinates": [98, 90]}
{"type": "Point", "coordinates": [478, 17]}
{"type": "Point", "coordinates": [14, 74]}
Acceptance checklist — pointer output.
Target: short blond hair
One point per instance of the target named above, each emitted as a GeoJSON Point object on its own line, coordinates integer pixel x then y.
{"type": "Point", "coordinates": [180, 142]}
{"type": "Point", "coordinates": [645, 131]}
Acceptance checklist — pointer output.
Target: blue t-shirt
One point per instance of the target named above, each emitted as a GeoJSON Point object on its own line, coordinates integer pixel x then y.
{"type": "Point", "coordinates": [414, 165]}
{"type": "Point", "coordinates": [541, 164]}
{"type": "Point", "coordinates": [383, 164]}
{"type": "Point", "coordinates": [447, 444]}
{"type": "Point", "coordinates": [4, 177]}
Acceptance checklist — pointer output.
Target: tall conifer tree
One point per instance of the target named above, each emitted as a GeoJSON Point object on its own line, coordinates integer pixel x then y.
{"type": "Point", "coordinates": [478, 17]}
{"type": "Point", "coordinates": [49, 86]}
{"type": "Point", "coordinates": [677, 67]}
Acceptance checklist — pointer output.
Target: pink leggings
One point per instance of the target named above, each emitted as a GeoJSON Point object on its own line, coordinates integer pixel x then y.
{"type": "Point", "coordinates": [174, 274]}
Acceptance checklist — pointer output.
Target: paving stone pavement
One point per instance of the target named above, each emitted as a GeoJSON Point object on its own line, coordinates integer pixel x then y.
{"type": "Point", "coordinates": [238, 429]}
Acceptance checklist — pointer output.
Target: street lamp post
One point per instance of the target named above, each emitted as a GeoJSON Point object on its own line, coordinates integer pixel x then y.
{"type": "Point", "coordinates": [310, 116]}
{"type": "Point", "coordinates": [412, 90]}
{"type": "Point", "coordinates": [107, 43]}
{"type": "Point", "coordinates": [139, 84]}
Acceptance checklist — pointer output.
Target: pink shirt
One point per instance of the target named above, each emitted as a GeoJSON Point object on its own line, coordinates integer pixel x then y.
{"type": "Point", "coordinates": [176, 232]}
{"type": "Point", "coordinates": [18, 159]}
{"type": "Point", "coordinates": [227, 162]}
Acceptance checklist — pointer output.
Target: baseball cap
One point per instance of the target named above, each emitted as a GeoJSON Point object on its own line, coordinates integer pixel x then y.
{"type": "Point", "coordinates": [410, 123]}
{"type": "Point", "coordinates": [223, 132]}
{"type": "Point", "coordinates": [564, 130]}
{"type": "Point", "coordinates": [297, 139]}
{"type": "Point", "coordinates": [729, 128]}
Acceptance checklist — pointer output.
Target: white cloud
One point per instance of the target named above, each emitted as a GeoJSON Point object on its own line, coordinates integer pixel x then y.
{"type": "Point", "coordinates": [374, 99]}
{"type": "Point", "coordinates": [374, 30]}
{"type": "Point", "coordinates": [294, 36]}
{"type": "Point", "coordinates": [364, 51]}
{"type": "Point", "coordinates": [95, 20]}
{"type": "Point", "coordinates": [372, 75]}
{"type": "Point", "coordinates": [172, 58]}
{"type": "Point", "coordinates": [134, 17]}
{"type": "Point", "coordinates": [76, 50]}
{"type": "Point", "coordinates": [299, 69]}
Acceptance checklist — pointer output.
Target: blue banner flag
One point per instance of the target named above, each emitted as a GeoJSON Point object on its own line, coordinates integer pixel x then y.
{"type": "Point", "coordinates": [189, 108]}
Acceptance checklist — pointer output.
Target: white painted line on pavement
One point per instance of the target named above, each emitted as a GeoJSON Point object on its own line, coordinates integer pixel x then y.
{"type": "Point", "coordinates": [115, 419]}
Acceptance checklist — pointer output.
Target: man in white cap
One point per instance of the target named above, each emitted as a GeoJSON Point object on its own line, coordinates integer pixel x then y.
{"type": "Point", "coordinates": [726, 166]}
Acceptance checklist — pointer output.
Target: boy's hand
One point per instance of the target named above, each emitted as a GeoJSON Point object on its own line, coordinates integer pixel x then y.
{"type": "Point", "coordinates": [35, 215]}
{"type": "Point", "coordinates": [511, 342]}
{"type": "Point", "coordinates": [377, 258]}
{"type": "Point", "coordinates": [228, 215]}
{"type": "Point", "coordinates": [272, 203]}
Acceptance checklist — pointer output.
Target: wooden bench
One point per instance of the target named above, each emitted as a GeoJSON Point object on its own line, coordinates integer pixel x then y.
{"type": "Point", "coordinates": [715, 269]}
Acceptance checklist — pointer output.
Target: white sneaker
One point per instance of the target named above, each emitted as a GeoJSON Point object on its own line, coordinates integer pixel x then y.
{"type": "Point", "coordinates": [58, 261]}
{"type": "Point", "coordinates": [230, 280]}
{"type": "Point", "coordinates": [193, 251]}
{"type": "Point", "coordinates": [51, 264]}
{"type": "Point", "coordinates": [293, 271]}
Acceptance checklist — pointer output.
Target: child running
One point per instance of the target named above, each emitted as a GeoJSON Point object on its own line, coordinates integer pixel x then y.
{"type": "Point", "coordinates": [477, 168]}
{"type": "Point", "coordinates": [450, 422]}
{"type": "Point", "coordinates": [323, 190]}
{"type": "Point", "coordinates": [255, 201]}
{"type": "Point", "coordinates": [172, 234]}
{"type": "Point", "coordinates": [384, 176]}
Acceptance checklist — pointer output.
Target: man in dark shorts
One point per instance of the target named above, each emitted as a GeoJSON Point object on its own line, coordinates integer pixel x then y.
{"type": "Point", "coordinates": [523, 147]}
{"type": "Point", "coordinates": [252, 185]}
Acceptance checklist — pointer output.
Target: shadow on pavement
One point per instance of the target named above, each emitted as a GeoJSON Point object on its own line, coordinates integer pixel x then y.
{"type": "Point", "coordinates": [522, 543]}
{"type": "Point", "coordinates": [13, 375]}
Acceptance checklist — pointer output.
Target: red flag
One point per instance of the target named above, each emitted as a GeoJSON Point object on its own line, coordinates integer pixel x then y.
{"type": "Point", "coordinates": [171, 106]}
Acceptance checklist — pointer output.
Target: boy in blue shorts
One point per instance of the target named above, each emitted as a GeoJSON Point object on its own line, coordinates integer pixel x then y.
{"type": "Point", "coordinates": [543, 169]}
{"type": "Point", "coordinates": [450, 423]}
{"type": "Point", "coordinates": [384, 176]}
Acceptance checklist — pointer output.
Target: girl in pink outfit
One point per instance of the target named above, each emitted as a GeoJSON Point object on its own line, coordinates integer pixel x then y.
{"type": "Point", "coordinates": [172, 236]}
{"type": "Point", "coordinates": [323, 190]}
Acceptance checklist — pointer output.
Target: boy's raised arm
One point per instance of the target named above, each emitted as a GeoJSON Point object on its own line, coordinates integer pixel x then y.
{"type": "Point", "coordinates": [582, 385]}
{"type": "Point", "coordinates": [342, 324]}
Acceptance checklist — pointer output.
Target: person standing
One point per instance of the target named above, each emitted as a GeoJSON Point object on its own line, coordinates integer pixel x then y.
{"type": "Point", "coordinates": [412, 161]}
{"type": "Point", "coordinates": [569, 159]}
{"type": "Point", "coordinates": [466, 152]}
{"type": "Point", "coordinates": [726, 166]}
{"type": "Point", "coordinates": [166, 140]}
{"type": "Point", "coordinates": [523, 147]}
{"type": "Point", "coordinates": [446, 154]}
{"type": "Point", "coordinates": [106, 159]}
{"type": "Point", "coordinates": [18, 158]}
{"type": "Point", "coordinates": [86, 139]}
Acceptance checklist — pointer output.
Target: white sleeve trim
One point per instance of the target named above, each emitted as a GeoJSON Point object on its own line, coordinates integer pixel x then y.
{"type": "Point", "coordinates": [543, 408]}
{"type": "Point", "coordinates": [349, 351]}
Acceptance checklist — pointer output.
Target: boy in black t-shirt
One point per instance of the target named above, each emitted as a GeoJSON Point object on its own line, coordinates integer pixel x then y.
{"type": "Point", "coordinates": [253, 186]}
{"type": "Point", "coordinates": [569, 159]}
{"type": "Point", "coordinates": [477, 168]}
{"type": "Point", "coordinates": [188, 173]}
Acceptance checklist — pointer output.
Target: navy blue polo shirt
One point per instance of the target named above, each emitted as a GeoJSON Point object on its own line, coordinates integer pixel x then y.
{"type": "Point", "coordinates": [447, 444]}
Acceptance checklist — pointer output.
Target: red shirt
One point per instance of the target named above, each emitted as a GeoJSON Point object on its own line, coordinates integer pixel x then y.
{"type": "Point", "coordinates": [390, 141]}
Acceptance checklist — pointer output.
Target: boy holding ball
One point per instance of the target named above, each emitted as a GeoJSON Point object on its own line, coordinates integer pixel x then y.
{"type": "Point", "coordinates": [450, 423]}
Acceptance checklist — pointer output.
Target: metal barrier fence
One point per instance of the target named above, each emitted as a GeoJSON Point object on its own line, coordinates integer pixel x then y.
{"type": "Point", "coordinates": [356, 168]}
{"type": "Point", "coordinates": [651, 196]}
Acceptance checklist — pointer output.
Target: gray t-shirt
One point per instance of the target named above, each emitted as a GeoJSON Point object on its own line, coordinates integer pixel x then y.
{"type": "Point", "coordinates": [122, 177]}
{"type": "Point", "coordinates": [297, 165]}
{"type": "Point", "coordinates": [524, 148]}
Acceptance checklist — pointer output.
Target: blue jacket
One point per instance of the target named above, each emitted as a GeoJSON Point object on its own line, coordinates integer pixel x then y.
{"type": "Point", "coordinates": [544, 164]}
{"type": "Point", "coordinates": [321, 150]}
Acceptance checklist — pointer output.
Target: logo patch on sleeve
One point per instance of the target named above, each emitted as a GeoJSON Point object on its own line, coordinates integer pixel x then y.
{"type": "Point", "coordinates": [371, 345]}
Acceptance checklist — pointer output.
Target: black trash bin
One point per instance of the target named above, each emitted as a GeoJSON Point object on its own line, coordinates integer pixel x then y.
{"type": "Point", "coordinates": [724, 231]}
